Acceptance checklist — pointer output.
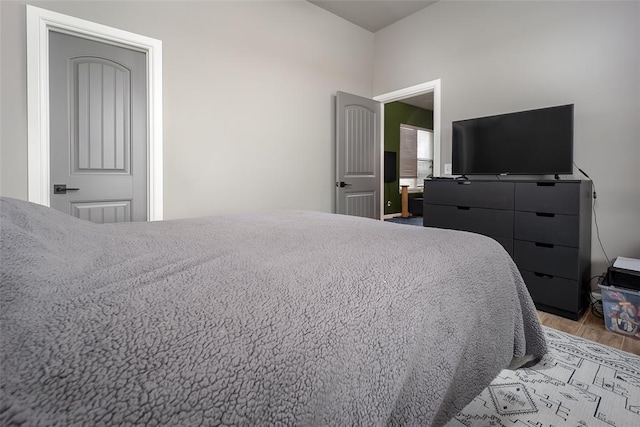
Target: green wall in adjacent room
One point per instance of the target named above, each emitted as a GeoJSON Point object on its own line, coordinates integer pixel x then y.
{"type": "Point", "coordinates": [395, 114]}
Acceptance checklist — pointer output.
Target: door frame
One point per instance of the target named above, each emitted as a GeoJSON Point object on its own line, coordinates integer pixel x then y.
{"type": "Point", "coordinates": [408, 92]}
{"type": "Point", "coordinates": [39, 23]}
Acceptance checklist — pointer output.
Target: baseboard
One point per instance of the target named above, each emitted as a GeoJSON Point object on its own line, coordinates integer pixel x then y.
{"type": "Point", "coordinates": [393, 215]}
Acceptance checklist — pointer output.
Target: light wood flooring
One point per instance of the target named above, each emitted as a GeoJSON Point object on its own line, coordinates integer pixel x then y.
{"type": "Point", "coordinates": [592, 328]}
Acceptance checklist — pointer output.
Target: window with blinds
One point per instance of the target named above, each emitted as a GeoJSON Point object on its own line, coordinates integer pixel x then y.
{"type": "Point", "coordinates": [416, 155]}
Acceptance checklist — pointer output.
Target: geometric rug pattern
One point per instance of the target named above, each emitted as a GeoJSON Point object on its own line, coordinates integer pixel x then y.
{"type": "Point", "coordinates": [577, 383]}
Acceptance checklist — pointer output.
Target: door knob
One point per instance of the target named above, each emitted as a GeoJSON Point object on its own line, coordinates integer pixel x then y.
{"type": "Point", "coordinates": [62, 189]}
{"type": "Point", "coordinates": [342, 184]}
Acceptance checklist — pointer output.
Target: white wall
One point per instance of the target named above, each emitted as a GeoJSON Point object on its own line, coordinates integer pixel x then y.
{"type": "Point", "coordinates": [248, 98]}
{"type": "Point", "coordinates": [497, 57]}
{"type": "Point", "coordinates": [252, 83]}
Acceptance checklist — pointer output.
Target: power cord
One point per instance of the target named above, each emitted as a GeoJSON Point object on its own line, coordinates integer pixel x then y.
{"type": "Point", "coordinates": [593, 208]}
{"type": "Point", "coordinates": [596, 303]}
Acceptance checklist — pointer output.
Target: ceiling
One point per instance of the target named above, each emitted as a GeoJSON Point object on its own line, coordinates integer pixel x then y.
{"type": "Point", "coordinates": [423, 101]}
{"type": "Point", "coordinates": [372, 15]}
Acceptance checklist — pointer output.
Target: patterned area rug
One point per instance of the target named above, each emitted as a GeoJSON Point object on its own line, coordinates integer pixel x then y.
{"type": "Point", "coordinates": [578, 383]}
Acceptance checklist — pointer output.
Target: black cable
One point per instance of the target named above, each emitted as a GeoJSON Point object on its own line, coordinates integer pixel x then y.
{"type": "Point", "coordinates": [596, 309]}
{"type": "Point", "coordinates": [593, 208]}
{"type": "Point", "coordinates": [595, 303]}
{"type": "Point", "coordinates": [595, 220]}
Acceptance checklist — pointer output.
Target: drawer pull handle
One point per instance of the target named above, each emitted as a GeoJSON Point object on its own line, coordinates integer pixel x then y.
{"type": "Point", "coordinates": [548, 215]}
{"type": "Point", "coordinates": [546, 276]}
{"type": "Point", "coordinates": [464, 182]}
{"type": "Point", "coordinates": [544, 245]}
{"type": "Point", "coordinates": [464, 208]}
{"type": "Point", "coordinates": [545, 184]}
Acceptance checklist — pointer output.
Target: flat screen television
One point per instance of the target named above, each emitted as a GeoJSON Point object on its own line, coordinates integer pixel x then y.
{"type": "Point", "coordinates": [390, 173]}
{"type": "Point", "coordinates": [534, 142]}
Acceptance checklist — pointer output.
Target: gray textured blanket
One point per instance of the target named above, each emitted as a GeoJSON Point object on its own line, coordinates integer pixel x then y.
{"type": "Point", "coordinates": [287, 318]}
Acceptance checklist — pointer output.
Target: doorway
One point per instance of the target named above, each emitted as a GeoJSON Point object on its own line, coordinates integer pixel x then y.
{"type": "Point", "coordinates": [425, 96]}
{"type": "Point", "coordinates": [40, 22]}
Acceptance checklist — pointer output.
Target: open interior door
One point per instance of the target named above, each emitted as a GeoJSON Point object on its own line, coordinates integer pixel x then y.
{"type": "Point", "coordinates": [98, 116]}
{"type": "Point", "coordinates": [358, 179]}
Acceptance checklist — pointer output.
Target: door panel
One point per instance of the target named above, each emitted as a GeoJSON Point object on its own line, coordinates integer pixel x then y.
{"type": "Point", "coordinates": [102, 213]}
{"type": "Point", "coordinates": [359, 132]}
{"type": "Point", "coordinates": [98, 116]}
{"type": "Point", "coordinates": [361, 204]}
{"type": "Point", "coordinates": [357, 156]}
{"type": "Point", "coordinates": [101, 99]}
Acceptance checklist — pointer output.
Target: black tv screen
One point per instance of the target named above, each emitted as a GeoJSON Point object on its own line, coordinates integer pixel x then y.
{"type": "Point", "coordinates": [390, 173]}
{"type": "Point", "coordinates": [534, 142]}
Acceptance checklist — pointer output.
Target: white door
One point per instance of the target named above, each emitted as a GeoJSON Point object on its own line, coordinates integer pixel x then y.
{"type": "Point", "coordinates": [98, 130]}
{"type": "Point", "coordinates": [357, 156]}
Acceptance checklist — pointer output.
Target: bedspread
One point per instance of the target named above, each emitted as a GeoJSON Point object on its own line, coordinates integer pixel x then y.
{"type": "Point", "coordinates": [292, 318]}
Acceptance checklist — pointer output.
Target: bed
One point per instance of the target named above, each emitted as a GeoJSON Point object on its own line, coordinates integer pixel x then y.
{"type": "Point", "coordinates": [282, 318]}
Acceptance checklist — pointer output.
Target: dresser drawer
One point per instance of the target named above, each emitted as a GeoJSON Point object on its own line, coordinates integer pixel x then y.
{"type": "Point", "coordinates": [553, 291]}
{"type": "Point", "coordinates": [547, 259]}
{"type": "Point", "coordinates": [556, 229]}
{"type": "Point", "coordinates": [474, 194]}
{"type": "Point", "coordinates": [548, 196]}
{"type": "Point", "coordinates": [489, 222]}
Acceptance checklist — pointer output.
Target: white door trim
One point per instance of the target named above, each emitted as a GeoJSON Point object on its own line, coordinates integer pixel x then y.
{"type": "Point", "coordinates": [39, 23]}
{"type": "Point", "coordinates": [408, 92]}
